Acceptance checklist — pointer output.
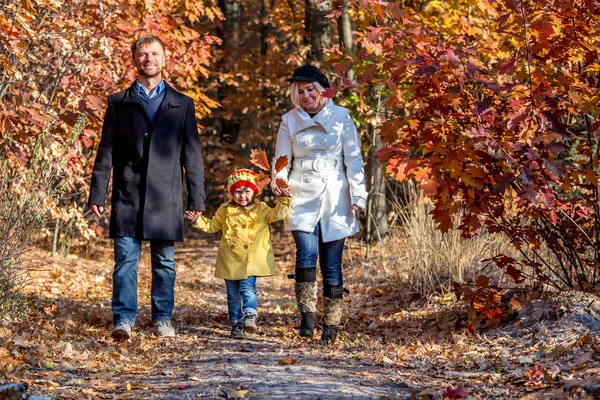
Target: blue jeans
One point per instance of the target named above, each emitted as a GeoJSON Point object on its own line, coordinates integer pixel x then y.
{"type": "Point", "coordinates": [310, 246]}
{"type": "Point", "coordinates": [241, 298]}
{"type": "Point", "coordinates": [125, 279]}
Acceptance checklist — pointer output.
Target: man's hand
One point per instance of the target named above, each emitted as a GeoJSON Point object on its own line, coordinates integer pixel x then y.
{"type": "Point", "coordinates": [193, 215]}
{"type": "Point", "coordinates": [356, 208]}
{"type": "Point", "coordinates": [96, 209]}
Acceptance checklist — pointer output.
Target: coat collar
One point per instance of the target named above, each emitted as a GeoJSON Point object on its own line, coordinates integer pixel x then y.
{"type": "Point", "coordinates": [300, 120]}
{"type": "Point", "coordinates": [171, 96]}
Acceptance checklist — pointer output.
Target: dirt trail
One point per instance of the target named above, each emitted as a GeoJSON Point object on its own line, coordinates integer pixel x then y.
{"type": "Point", "coordinates": [387, 349]}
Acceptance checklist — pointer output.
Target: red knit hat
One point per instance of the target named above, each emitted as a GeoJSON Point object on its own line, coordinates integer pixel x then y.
{"type": "Point", "coordinates": [242, 177]}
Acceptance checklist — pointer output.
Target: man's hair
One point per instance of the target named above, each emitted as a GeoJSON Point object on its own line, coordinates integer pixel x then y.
{"type": "Point", "coordinates": [295, 97]}
{"type": "Point", "coordinates": [148, 39]}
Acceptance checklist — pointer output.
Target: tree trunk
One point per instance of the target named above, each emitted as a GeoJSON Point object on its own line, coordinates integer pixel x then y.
{"type": "Point", "coordinates": [264, 27]}
{"type": "Point", "coordinates": [232, 11]}
{"type": "Point", "coordinates": [377, 224]}
{"type": "Point", "coordinates": [229, 127]}
{"type": "Point", "coordinates": [345, 35]}
{"type": "Point", "coordinates": [318, 28]}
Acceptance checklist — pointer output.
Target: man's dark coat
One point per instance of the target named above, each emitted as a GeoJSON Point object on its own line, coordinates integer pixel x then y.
{"type": "Point", "coordinates": [148, 160]}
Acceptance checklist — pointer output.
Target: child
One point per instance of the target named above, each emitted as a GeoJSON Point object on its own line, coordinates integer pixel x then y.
{"type": "Point", "coordinates": [245, 249]}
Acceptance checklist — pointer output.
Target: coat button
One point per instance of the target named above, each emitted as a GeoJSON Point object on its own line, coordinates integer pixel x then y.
{"type": "Point", "coordinates": [234, 226]}
{"type": "Point", "coordinates": [325, 180]}
{"type": "Point", "coordinates": [323, 141]}
{"type": "Point", "coordinates": [245, 246]}
{"type": "Point", "coordinates": [306, 142]}
{"type": "Point", "coordinates": [146, 134]}
{"type": "Point", "coordinates": [243, 226]}
{"type": "Point", "coordinates": [232, 246]}
{"type": "Point", "coordinates": [308, 179]}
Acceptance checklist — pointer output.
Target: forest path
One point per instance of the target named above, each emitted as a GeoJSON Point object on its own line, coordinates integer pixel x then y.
{"type": "Point", "coordinates": [76, 358]}
{"type": "Point", "coordinates": [388, 347]}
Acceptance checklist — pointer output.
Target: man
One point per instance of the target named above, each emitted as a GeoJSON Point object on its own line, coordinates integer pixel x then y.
{"type": "Point", "coordinates": [149, 137]}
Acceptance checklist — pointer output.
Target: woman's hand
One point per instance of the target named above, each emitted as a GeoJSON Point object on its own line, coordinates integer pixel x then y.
{"type": "Point", "coordinates": [356, 207]}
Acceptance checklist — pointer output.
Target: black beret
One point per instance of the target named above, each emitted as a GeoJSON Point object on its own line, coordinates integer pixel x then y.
{"type": "Point", "coordinates": [309, 73]}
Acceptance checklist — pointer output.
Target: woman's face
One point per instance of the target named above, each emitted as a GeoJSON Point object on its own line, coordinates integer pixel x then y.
{"type": "Point", "coordinates": [309, 96]}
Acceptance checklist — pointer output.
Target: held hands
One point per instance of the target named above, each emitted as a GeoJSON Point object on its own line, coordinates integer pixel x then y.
{"type": "Point", "coordinates": [193, 215]}
{"type": "Point", "coordinates": [281, 192]}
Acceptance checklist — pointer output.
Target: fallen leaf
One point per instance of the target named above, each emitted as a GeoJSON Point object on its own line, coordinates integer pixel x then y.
{"type": "Point", "coordinates": [458, 392]}
{"type": "Point", "coordinates": [288, 360]}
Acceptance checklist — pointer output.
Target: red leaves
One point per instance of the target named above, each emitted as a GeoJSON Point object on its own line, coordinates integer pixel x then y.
{"type": "Point", "coordinates": [458, 392]}
{"type": "Point", "coordinates": [544, 27]}
{"type": "Point", "coordinates": [536, 375]}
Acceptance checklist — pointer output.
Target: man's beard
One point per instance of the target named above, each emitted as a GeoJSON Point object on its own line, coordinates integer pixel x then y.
{"type": "Point", "coordinates": [146, 75]}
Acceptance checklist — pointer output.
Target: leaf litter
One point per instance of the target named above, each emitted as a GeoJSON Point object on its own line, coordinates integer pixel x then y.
{"type": "Point", "coordinates": [389, 347]}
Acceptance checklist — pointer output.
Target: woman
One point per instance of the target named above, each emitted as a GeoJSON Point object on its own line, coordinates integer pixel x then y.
{"type": "Point", "coordinates": [326, 178]}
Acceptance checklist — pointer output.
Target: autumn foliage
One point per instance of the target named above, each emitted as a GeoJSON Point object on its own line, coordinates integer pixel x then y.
{"type": "Point", "coordinates": [494, 111]}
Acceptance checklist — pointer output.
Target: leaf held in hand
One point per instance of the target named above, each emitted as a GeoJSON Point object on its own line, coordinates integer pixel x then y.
{"type": "Point", "coordinates": [259, 158]}
{"type": "Point", "coordinates": [281, 163]}
{"type": "Point", "coordinates": [262, 180]}
{"type": "Point", "coordinates": [281, 183]}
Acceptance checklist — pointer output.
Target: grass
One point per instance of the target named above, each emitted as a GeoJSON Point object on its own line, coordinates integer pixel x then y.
{"type": "Point", "coordinates": [427, 261]}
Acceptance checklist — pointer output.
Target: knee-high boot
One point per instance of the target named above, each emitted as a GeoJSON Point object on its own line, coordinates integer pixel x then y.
{"type": "Point", "coordinates": [306, 296]}
{"type": "Point", "coordinates": [332, 312]}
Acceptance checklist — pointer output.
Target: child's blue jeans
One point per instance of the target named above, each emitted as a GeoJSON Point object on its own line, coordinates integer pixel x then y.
{"type": "Point", "coordinates": [241, 298]}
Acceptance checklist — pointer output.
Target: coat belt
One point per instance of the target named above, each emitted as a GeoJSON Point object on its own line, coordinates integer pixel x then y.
{"type": "Point", "coordinates": [318, 164]}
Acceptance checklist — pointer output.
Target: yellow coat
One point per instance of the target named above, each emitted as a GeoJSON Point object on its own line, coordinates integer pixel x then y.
{"type": "Point", "coordinates": [245, 247]}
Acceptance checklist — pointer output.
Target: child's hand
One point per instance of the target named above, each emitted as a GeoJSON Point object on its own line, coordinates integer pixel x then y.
{"type": "Point", "coordinates": [283, 192]}
{"type": "Point", "coordinates": [193, 215]}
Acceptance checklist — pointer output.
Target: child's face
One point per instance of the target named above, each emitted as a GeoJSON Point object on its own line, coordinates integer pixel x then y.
{"type": "Point", "coordinates": [243, 196]}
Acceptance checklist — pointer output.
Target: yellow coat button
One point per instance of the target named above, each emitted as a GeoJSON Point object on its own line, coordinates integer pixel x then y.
{"type": "Point", "coordinates": [232, 246]}
{"type": "Point", "coordinates": [244, 226]}
{"type": "Point", "coordinates": [245, 246]}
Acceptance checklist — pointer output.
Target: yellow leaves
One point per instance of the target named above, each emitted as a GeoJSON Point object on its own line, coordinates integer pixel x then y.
{"type": "Point", "coordinates": [594, 67]}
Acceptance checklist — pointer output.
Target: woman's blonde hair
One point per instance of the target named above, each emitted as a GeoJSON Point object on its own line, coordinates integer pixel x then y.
{"type": "Point", "coordinates": [295, 97]}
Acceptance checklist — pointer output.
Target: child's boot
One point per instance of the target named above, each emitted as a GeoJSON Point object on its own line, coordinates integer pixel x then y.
{"type": "Point", "coordinates": [332, 313]}
{"type": "Point", "coordinates": [306, 296]}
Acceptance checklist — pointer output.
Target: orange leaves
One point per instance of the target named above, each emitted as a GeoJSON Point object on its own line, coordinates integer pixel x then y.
{"type": "Point", "coordinates": [259, 158]}
{"type": "Point", "coordinates": [281, 183]}
{"type": "Point", "coordinates": [262, 180]}
{"type": "Point", "coordinates": [288, 361]}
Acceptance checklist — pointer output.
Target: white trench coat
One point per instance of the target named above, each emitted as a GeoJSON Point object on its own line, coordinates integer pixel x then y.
{"type": "Point", "coordinates": [325, 171]}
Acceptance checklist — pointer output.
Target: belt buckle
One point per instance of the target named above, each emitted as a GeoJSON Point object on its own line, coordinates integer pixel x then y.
{"type": "Point", "coordinates": [319, 164]}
